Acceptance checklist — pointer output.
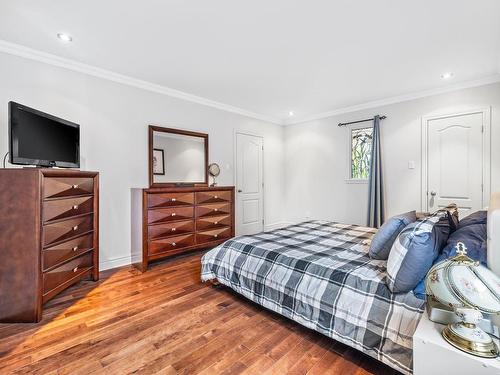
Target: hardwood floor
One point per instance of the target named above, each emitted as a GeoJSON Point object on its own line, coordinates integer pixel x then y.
{"type": "Point", "coordinates": [166, 321]}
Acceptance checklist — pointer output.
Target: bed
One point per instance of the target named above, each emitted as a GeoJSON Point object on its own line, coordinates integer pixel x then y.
{"type": "Point", "coordinates": [319, 274]}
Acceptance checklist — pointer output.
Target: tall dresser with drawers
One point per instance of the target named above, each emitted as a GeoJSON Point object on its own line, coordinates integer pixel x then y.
{"type": "Point", "coordinates": [49, 237]}
{"type": "Point", "coordinates": [172, 221]}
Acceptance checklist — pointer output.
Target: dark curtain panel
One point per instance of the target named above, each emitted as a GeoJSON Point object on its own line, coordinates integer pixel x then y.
{"type": "Point", "coordinates": [375, 181]}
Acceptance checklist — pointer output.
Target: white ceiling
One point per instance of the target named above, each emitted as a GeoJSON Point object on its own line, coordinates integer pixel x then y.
{"type": "Point", "coordinates": [271, 57]}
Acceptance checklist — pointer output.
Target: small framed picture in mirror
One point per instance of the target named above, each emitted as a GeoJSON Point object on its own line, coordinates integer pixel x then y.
{"type": "Point", "coordinates": [158, 162]}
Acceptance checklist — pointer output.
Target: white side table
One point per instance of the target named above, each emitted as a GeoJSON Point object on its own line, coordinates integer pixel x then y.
{"type": "Point", "coordinates": [432, 355]}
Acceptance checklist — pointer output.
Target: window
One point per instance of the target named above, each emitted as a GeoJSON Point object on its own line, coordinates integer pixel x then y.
{"type": "Point", "coordinates": [361, 148]}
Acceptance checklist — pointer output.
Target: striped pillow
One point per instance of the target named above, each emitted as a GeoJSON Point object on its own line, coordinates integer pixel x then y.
{"type": "Point", "coordinates": [415, 249]}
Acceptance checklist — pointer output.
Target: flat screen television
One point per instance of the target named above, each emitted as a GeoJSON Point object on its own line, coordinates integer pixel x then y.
{"type": "Point", "coordinates": [37, 138]}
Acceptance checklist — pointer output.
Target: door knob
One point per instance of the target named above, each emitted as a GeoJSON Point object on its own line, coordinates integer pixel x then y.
{"type": "Point", "coordinates": [239, 190]}
{"type": "Point", "coordinates": [433, 193]}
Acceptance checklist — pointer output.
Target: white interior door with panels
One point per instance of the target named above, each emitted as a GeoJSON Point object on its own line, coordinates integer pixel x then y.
{"type": "Point", "coordinates": [249, 184]}
{"type": "Point", "coordinates": [456, 161]}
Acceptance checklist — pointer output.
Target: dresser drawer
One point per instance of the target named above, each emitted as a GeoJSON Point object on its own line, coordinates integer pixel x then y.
{"type": "Point", "coordinates": [170, 200]}
{"type": "Point", "coordinates": [62, 276]}
{"type": "Point", "coordinates": [213, 222]}
{"type": "Point", "coordinates": [54, 255]}
{"type": "Point", "coordinates": [213, 209]}
{"type": "Point", "coordinates": [171, 244]}
{"type": "Point", "coordinates": [213, 235]}
{"type": "Point", "coordinates": [170, 229]}
{"type": "Point", "coordinates": [165, 215]}
{"type": "Point", "coordinates": [57, 187]}
{"type": "Point", "coordinates": [66, 229]}
{"type": "Point", "coordinates": [66, 208]}
{"type": "Point", "coordinates": [213, 196]}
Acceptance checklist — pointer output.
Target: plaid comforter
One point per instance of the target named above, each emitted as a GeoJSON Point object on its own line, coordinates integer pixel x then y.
{"type": "Point", "coordinates": [319, 274]}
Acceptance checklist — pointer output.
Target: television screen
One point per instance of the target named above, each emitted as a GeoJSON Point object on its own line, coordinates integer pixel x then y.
{"type": "Point", "coordinates": [37, 138]}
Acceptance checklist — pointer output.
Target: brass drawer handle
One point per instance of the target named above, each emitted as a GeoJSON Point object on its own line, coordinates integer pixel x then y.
{"type": "Point", "coordinates": [174, 200]}
{"type": "Point", "coordinates": [75, 207]}
{"type": "Point", "coordinates": [216, 197]}
{"type": "Point", "coordinates": [75, 248]}
{"type": "Point", "coordinates": [216, 222]}
{"type": "Point", "coordinates": [75, 269]}
{"type": "Point", "coordinates": [216, 209]}
{"type": "Point", "coordinates": [75, 227]}
{"type": "Point", "coordinates": [173, 244]}
{"type": "Point", "coordinates": [74, 186]}
{"type": "Point", "coordinates": [173, 213]}
{"type": "Point", "coordinates": [174, 229]}
{"type": "Point", "coordinates": [216, 235]}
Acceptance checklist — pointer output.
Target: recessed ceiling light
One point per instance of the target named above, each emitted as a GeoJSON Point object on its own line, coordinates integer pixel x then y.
{"type": "Point", "coordinates": [290, 113]}
{"type": "Point", "coordinates": [447, 75]}
{"type": "Point", "coordinates": [65, 37]}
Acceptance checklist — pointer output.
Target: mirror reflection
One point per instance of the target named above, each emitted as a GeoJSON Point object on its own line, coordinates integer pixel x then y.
{"type": "Point", "coordinates": [178, 158]}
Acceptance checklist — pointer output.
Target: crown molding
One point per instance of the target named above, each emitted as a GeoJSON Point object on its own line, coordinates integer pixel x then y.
{"type": "Point", "coordinates": [47, 58]}
{"type": "Point", "coordinates": [396, 99]}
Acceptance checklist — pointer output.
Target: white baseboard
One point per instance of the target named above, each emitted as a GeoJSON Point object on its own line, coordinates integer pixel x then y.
{"type": "Point", "coordinates": [114, 263]}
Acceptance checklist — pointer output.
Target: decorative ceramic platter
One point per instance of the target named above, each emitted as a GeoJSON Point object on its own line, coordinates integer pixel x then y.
{"type": "Point", "coordinates": [456, 284]}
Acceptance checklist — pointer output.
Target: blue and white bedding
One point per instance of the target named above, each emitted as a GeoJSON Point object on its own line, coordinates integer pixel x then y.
{"type": "Point", "coordinates": [319, 274]}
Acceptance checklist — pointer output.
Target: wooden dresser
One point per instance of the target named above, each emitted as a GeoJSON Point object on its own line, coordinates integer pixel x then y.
{"type": "Point", "coordinates": [49, 237]}
{"type": "Point", "coordinates": [177, 220]}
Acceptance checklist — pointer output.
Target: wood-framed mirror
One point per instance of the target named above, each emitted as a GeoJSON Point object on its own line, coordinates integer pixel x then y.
{"type": "Point", "coordinates": [177, 157]}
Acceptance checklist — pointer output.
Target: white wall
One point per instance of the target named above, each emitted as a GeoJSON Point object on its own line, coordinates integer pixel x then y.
{"type": "Point", "coordinates": [316, 157]}
{"type": "Point", "coordinates": [114, 120]}
{"type": "Point", "coordinates": [305, 164]}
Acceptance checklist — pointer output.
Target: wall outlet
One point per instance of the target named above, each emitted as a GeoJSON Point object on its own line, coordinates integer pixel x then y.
{"type": "Point", "coordinates": [411, 164]}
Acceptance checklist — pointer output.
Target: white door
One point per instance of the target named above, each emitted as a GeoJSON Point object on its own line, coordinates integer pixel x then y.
{"type": "Point", "coordinates": [455, 162]}
{"type": "Point", "coordinates": [249, 184]}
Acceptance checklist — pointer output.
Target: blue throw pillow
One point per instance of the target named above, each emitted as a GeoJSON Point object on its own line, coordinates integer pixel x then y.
{"type": "Point", "coordinates": [415, 250]}
{"type": "Point", "coordinates": [474, 236]}
{"type": "Point", "coordinates": [478, 217]}
{"type": "Point", "coordinates": [419, 290]}
{"type": "Point", "coordinates": [382, 241]}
